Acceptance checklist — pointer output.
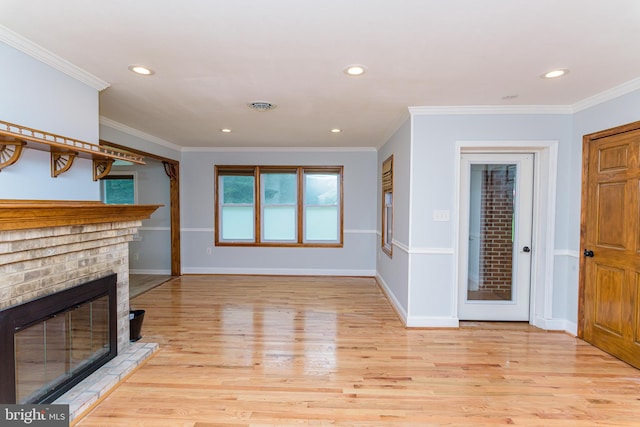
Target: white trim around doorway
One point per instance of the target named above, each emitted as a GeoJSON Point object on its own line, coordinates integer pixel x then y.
{"type": "Point", "coordinates": [545, 183]}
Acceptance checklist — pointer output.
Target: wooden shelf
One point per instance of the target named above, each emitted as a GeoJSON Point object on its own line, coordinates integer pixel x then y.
{"type": "Point", "coordinates": [13, 138]}
{"type": "Point", "coordinates": [25, 214]}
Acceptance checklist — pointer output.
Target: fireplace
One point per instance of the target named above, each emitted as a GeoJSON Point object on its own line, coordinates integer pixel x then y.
{"type": "Point", "coordinates": [48, 247]}
{"type": "Point", "coordinates": [49, 344]}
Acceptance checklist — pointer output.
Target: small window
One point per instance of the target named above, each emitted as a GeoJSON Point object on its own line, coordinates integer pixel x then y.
{"type": "Point", "coordinates": [119, 188]}
{"type": "Point", "coordinates": [321, 207]}
{"type": "Point", "coordinates": [387, 206]}
{"type": "Point", "coordinates": [279, 206]}
{"type": "Point", "coordinates": [236, 191]}
{"type": "Point", "coordinates": [294, 206]}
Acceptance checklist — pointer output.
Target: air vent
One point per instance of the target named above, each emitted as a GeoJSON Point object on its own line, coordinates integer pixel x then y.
{"type": "Point", "coordinates": [261, 106]}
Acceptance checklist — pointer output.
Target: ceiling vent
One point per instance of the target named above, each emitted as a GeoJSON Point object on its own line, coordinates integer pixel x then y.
{"type": "Point", "coordinates": [261, 106]}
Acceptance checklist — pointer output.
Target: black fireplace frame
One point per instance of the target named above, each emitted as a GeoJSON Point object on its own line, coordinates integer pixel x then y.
{"type": "Point", "coordinates": [18, 317]}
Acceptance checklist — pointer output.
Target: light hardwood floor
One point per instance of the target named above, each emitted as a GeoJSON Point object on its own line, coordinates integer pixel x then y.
{"type": "Point", "coordinates": [141, 283]}
{"type": "Point", "coordinates": [279, 351]}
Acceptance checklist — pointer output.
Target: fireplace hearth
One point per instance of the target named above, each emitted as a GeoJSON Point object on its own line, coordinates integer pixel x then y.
{"type": "Point", "coordinates": [49, 344]}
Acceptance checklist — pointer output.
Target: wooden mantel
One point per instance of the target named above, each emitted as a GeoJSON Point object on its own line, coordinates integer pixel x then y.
{"type": "Point", "coordinates": [25, 214]}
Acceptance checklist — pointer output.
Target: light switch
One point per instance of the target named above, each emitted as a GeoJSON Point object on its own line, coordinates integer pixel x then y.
{"type": "Point", "coordinates": [441, 216]}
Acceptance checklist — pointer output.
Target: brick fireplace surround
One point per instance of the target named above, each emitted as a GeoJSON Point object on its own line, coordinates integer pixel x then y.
{"type": "Point", "coordinates": [48, 246]}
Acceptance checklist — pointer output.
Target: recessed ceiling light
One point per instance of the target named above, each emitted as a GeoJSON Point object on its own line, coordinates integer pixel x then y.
{"type": "Point", "coordinates": [509, 97]}
{"type": "Point", "coordinates": [139, 69]}
{"type": "Point", "coordinates": [354, 70]}
{"type": "Point", "coordinates": [225, 130]}
{"type": "Point", "coordinates": [555, 73]}
{"type": "Point", "coordinates": [336, 130]}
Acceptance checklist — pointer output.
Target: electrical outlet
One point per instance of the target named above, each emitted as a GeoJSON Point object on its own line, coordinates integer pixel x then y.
{"type": "Point", "coordinates": [135, 256]}
{"type": "Point", "coordinates": [208, 251]}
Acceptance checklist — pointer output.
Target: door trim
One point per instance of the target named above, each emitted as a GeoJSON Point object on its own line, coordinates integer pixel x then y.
{"type": "Point", "coordinates": [544, 213]}
{"type": "Point", "coordinates": [586, 143]}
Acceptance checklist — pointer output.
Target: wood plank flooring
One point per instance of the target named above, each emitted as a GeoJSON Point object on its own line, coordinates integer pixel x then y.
{"type": "Point", "coordinates": [285, 351]}
{"type": "Point", "coordinates": [141, 283]}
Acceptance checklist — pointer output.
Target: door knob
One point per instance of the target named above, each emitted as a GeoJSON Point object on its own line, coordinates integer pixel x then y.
{"type": "Point", "coordinates": [526, 249]}
{"type": "Point", "coordinates": [588, 253]}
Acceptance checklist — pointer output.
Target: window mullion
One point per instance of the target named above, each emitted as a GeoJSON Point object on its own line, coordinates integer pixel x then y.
{"type": "Point", "coordinates": [219, 193]}
{"type": "Point", "coordinates": [258, 204]}
{"type": "Point", "coordinates": [300, 199]}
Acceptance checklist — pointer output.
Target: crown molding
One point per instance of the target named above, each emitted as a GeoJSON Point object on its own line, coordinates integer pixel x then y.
{"type": "Point", "coordinates": [490, 109]}
{"type": "Point", "coordinates": [139, 134]}
{"type": "Point", "coordinates": [276, 149]}
{"type": "Point", "coordinates": [28, 47]}
{"type": "Point", "coordinates": [592, 101]}
{"type": "Point", "coordinates": [607, 95]}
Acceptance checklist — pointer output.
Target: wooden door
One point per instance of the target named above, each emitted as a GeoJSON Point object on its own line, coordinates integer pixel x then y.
{"type": "Point", "coordinates": [610, 265]}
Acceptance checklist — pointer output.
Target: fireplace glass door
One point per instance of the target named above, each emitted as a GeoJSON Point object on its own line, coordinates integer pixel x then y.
{"type": "Point", "coordinates": [50, 352]}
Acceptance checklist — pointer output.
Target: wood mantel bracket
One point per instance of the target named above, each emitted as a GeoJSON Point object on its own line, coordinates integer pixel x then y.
{"type": "Point", "coordinates": [101, 168]}
{"type": "Point", "coordinates": [64, 150]}
{"type": "Point", "coordinates": [170, 170]}
{"type": "Point", "coordinates": [10, 151]}
{"type": "Point", "coordinates": [61, 162]}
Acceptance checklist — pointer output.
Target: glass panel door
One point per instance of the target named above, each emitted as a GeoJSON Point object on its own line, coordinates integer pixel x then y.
{"type": "Point", "coordinates": [491, 232]}
{"type": "Point", "coordinates": [496, 221]}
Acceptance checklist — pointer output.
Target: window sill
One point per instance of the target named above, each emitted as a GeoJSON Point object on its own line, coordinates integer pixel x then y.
{"type": "Point", "coordinates": [279, 245]}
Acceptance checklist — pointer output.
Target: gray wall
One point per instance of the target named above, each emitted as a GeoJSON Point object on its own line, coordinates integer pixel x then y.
{"type": "Point", "coordinates": [392, 272]}
{"type": "Point", "coordinates": [35, 95]}
{"type": "Point", "coordinates": [357, 257]}
{"type": "Point", "coordinates": [425, 276]}
{"type": "Point", "coordinates": [434, 140]}
{"type": "Point", "coordinates": [150, 251]}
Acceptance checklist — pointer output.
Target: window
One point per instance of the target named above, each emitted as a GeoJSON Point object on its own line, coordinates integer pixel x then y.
{"type": "Point", "coordinates": [237, 206]}
{"type": "Point", "coordinates": [119, 188]}
{"type": "Point", "coordinates": [279, 205]}
{"type": "Point", "coordinates": [387, 206]}
{"type": "Point", "coordinates": [279, 196]}
{"type": "Point", "coordinates": [321, 208]}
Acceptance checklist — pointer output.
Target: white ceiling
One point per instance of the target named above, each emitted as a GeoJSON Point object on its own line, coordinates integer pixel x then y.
{"type": "Point", "coordinates": [213, 57]}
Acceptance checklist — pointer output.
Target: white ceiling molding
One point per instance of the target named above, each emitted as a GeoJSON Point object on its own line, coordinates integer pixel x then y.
{"type": "Point", "coordinates": [607, 95]}
{"type": "Point", "coordinates": [43, 55]}
{"type": "Point", "coordinates": [490, 109]}
{"type": "Point", "coordinates": [137, 133]}
{"type": "Point", "coordinates": [277, 149]}
{"type": "Point", "coordinates": [592, 101]}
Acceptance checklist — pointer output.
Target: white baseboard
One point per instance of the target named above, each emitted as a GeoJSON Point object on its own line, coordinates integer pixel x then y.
{"type": "Point", "coordinates": [415, 321]}
{"type": "Point", "coordinates": [432, 322]}
{"type": "Point", "coordinates": [556, 325]}
{"type": "Point", "coordinates": [277, 271]}
{"type": "Point", "coordinates": [157, 272]}
{"type": "Point", "coordinates": [400, 311]}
